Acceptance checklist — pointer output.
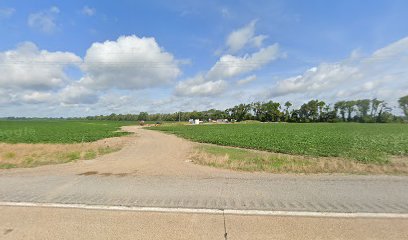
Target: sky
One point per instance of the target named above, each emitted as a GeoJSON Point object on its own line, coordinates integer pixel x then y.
{"type": "Point", "coordinates": [80, 58]}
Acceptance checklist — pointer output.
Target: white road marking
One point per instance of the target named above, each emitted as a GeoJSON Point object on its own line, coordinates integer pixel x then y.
{"type": "Point", "coordinates": [207, 211]}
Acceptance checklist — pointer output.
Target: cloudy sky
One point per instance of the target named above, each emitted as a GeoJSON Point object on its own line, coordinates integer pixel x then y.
{"type": "Point", "coordinates": [78, 58]}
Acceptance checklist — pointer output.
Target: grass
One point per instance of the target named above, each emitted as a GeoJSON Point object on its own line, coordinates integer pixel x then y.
{"type": "Point", "coordinates": [59, 131]}
{"type": "Point", "coordinates": [34, 155]}
{"type": "Point", "coordinates": [90, 155]}
{"type": "Point", "coordinates": [7, 165]}
{"type": "Point", "coordinates": [366, 143]}
{"type": "Point", "coordinates": [260, 161]}
{"type": "Point", "coordinates": [243, 159]}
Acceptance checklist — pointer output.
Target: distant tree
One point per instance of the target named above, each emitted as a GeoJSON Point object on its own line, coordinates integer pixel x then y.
{"type": "Point", "coordinates": [287, 106]}
{"type": "Point", "coordinates": [403, 103]}
{"type": "Point", "coordinates": [310, 111]}
{"type": "Point", "coordinates": [384, 113]}
{"type": "Point", "coordinates": [240, 112]}
{"type": "Point", "coordinates": [272, 110]}
{"type": "Point", "coordinates": [363, 106]}
{"type": "Point", "coordinates": [341, 106]}
{"type": "Point", "coordinates": [143, 116]}
{"type": "Point", "coordinates": [375, 103]}
{"type": "Point", "coordinates": [350, 109]}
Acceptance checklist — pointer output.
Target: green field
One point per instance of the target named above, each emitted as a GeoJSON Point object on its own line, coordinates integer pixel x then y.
{"type": "Point", "coordinates": [58, 131]}
{"type": "Point", "coordinates": [369, 143]}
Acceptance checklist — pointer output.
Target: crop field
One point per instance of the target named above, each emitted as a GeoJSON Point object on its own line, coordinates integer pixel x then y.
{"type": "Point", "coordinates": [366, 143]}
{"type": "Point", "coordinates": [58, 131]}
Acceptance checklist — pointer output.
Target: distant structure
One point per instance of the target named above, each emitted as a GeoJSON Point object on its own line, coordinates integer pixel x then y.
{"type": "Point", "coordinates": [222, 121]}
{"type": "Point", "coordinates": [195, 121]}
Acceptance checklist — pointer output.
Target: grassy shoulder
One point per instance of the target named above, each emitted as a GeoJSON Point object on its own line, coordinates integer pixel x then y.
{"type": "Point", "coordinates": [365, 143]}
{"type": "Point", "coordinates": [261, 161]}
{"type": "Point", "coordinates": [32, 155]}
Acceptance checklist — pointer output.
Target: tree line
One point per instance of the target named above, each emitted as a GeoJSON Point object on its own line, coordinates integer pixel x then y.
{"type": "Point", "coordinates": [363, 110]}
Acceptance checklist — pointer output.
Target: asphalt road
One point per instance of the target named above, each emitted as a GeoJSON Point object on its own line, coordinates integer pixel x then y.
{"type": "Point", "coordinates": [343, 194]}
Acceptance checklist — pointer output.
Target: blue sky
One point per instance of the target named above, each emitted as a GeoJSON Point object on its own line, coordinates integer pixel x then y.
{"type": "Point", "coordinates": [75, 58]}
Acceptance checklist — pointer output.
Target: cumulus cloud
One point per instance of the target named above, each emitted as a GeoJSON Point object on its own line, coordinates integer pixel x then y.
{"type": "Point", "coordinates": [129, 62]}
{"type": "Point", "coordinates": [28, 67]}
{"type": "Point", "coordinates": [382, 74]}
{"type": "Point", "coordinates": [246, 80]}
{"type": "Point", "coordinates": [200, 86]}
{"type": "Point", "coordinates": [230, 66]}
{"type": "Point", "coordinates": [37, 97]}
{"type": "Point", "coordinates": [78, 94]}
{"type": "Point", "coordinates": [44, 21]}
{"type": "Point", "coordinates": [227, 67]}
{"type": "Point", "coordinates": [239, 38]}
{"type": "Point", "coordinates": [88, 11]}
{"type": "Point", "coordinates": [6, 12]}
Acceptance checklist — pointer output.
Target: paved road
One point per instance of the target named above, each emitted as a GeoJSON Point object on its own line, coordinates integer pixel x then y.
{"type": "Point", "coordinates": [52, 223]}
{"type": "Point", "coordinates": [276, 192]}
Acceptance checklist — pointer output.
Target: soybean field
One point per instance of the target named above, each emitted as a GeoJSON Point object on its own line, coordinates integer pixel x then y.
{"type": "Point", "coordinates": [58, 131]}
{"type": "Point", "coordinates": [370, 143]}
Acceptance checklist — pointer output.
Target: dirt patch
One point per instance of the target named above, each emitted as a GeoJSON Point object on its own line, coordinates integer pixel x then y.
{"type": "Point", "coordinates": [260, 161]}
{"type": "Point", "coordinates": [91, 173]}
{"type": "Point", "coordinates": [88, 173]}
{"type": "Point", "coordinates": [7, 231]}
{"type": "Point", "coordinates": [32, 155]}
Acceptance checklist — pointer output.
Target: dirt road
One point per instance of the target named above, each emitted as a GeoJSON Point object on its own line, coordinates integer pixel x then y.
{"type": "Point", "coordinates": [146, 153]}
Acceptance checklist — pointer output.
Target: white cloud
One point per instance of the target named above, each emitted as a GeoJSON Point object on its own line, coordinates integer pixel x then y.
{"type": "Point", "coordinates": [200, 86]}
{"type": "Point", "coordinates": [78, 94]}
{"type": "Point", "coordinates": [88, 11]}
{"type": "Point", "coordinates": [214, 82]}
{"type": "Point", "coordinates": [315, 80]}
{"type": "Point", "coordinates": [28, 67]}
{"type": "Point", "coordinates": [239, 38]}
{"type": "Point", "coordinates": [6, 12]}
{"type": "Point", "coordinates": [129, 62]}
{"type": "Point", "coordinates": [44, 21]}
{"type": "Point", "coordinates": [230, 66]}
{"type": "Point", "coordinates": [246, 80]}
{"type": "Point", "coordinates": [37, 97]}
{"type": "Point", "coordinates": [383, 74]}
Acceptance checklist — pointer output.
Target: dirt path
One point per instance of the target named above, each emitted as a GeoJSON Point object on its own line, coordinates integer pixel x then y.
{"type": "Point", "coordinates": [146, 153]}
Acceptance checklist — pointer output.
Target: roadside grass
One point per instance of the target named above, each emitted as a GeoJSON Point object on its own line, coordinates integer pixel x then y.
{"type": "Point", "coordinates": [7, 165]}
{"type": "Point", "coordinates": [33, 155]}
{"type": "Point", "coordinates": [261, 161]}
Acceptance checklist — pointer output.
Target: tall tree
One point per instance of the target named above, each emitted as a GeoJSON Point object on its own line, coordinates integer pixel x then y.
{"type": "Point", "coordinates": [350, 109]}
{"type": "Point", "coordinates": [375, 103]}
{"type": "Point", "coordinates": [287, 106]}
{"type": "Point", "coordinates": [403, 102]}
{"type": "Point", "coordinates": [341, 106]}
{"type": "Point", "coordinates": [363, 107]}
